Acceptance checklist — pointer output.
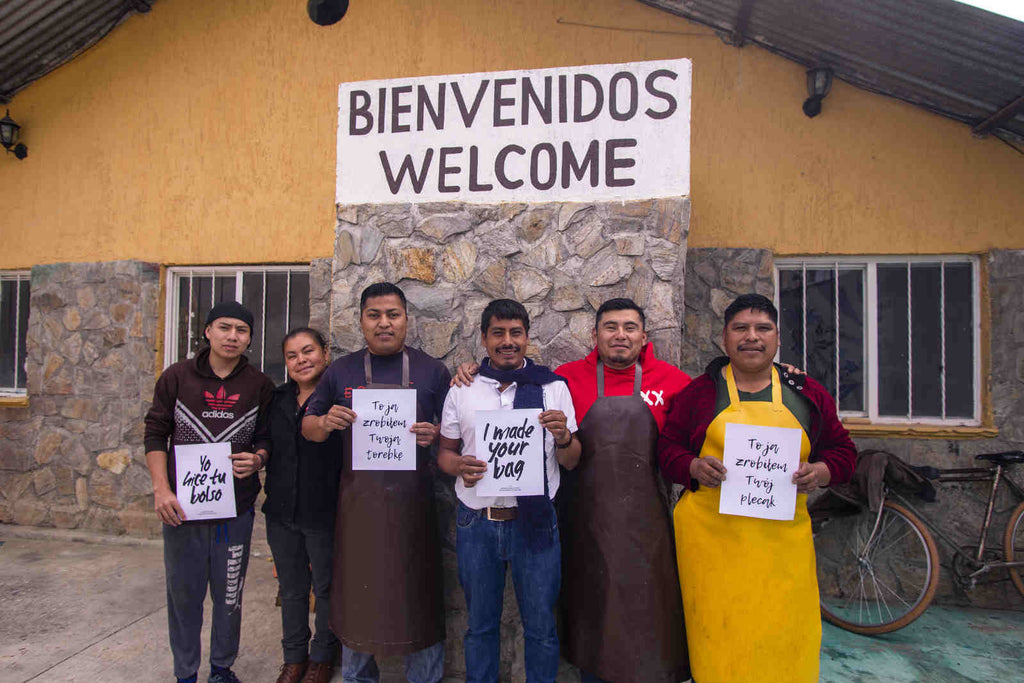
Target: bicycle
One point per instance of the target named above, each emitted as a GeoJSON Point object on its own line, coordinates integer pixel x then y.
{"type": "Point", "coordinates": [879, 571]}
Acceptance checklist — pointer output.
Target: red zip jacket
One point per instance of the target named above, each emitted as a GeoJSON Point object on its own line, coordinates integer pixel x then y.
{"type": "Point", "coordinates": [660, 384]}
{"type": "Point", "coordinates": [683, 433]}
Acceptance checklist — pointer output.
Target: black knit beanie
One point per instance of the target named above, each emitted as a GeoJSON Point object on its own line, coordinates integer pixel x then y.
{"type": "Point", "coordinates": [230, 309]}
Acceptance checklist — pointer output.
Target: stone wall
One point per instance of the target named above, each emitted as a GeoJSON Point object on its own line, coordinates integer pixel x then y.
{"type": "Point", "coordinates": [560, 260]}
{"type": "Point", "coordinates": [74, 457]}
{"type": "Point", "coordinates": [714, 277]}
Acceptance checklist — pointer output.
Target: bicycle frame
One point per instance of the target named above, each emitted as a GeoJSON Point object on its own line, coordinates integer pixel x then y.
{"type": "Point", "coordinates": [967, 474]}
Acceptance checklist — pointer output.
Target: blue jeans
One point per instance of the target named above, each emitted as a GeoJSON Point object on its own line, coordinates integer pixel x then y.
{"type": "Point", "coordinates": [587, 677]}
{"type": "Point", "coordinates": [484, 550]}
{"type": "Point", "coordinates": [423, 666]}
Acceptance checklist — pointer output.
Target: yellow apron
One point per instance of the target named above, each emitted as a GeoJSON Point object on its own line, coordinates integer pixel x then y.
{"type": "Point", "coordinates": [750, 591]}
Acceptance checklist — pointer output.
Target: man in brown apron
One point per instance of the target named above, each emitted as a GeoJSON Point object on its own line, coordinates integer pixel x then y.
{"type": "Point", "coordinates": [620, 597]}
{"type": "Point", "coordinates": [386, 594]}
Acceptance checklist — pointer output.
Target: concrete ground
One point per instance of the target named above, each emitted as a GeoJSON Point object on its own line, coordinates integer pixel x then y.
{"type": "Point", "coordinates": [81, 607]}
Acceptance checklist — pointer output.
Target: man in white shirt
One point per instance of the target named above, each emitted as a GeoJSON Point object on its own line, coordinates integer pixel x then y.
{"type": "Point", "coordinates": [498, 532]}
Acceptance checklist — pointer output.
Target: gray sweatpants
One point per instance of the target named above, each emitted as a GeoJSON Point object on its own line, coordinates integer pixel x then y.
{"type": "Point", "coordinates": [197, 556]}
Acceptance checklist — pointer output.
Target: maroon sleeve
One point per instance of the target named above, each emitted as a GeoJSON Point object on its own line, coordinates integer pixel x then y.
{"type": "Point", "coordinates": [160, 417]}
{"type": "Point", "coordinates": [261, 437]}
{"type": "Point", "coordinates": [678, 436]}
{"type": "Point", "coordinates": [834, 447]}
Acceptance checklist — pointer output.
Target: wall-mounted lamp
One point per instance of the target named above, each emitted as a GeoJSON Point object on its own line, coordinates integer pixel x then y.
{"type": "Point", "coordinates": [9, 136]}
{"type": "Point", "coordinates": [326, 12]}
{"type": "Point", "coordinates": [819, 82]}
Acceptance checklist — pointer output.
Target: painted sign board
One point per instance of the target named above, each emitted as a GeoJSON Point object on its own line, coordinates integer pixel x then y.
{"type": "Point", "coordinates": [599, 132]}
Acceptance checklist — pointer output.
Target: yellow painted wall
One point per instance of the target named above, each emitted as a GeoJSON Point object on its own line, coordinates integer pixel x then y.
{"type": "Point", "coordinates": [204, 132]}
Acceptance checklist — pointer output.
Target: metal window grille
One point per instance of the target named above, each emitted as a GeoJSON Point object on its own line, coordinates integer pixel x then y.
{"type": "Point", "coordinates": [272, 293]}
{"type": "Point", "coordinates": [14, 309]}
{"type": "Point", "coordinates": [933, 379]}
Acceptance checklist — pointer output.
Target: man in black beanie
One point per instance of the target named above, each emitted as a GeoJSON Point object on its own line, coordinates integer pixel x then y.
{"type": "Point", "coordinates": [216, 397]}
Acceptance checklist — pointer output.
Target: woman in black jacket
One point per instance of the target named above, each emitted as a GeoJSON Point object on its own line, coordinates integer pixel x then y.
{"type": "Point", "coordinates": [302, 492]}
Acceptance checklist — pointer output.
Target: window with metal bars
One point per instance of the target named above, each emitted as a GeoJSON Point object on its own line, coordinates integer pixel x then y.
{"type": "Point", "coordinates": [893, 339]}
{"type": "Point", "coordinates": [278, 297]}
{"type": "Point", "coordinates": [14, 301]}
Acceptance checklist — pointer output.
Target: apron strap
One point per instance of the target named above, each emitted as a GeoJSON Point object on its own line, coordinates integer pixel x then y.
{"type": "Point", "coordinates": [734, 394]}
{"type": "Point", "coordinates": [638, 376]}
{"type": "Point", "coordinates": [368, 370]}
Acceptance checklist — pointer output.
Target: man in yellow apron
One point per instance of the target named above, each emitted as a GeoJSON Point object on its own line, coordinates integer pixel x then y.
{"type": "Point", "coordinates": [750, 594]}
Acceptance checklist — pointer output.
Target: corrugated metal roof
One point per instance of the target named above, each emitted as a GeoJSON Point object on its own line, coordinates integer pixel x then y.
{"type": "Point", "coordinates": [950, 58]}
{"type": "Point", "coordinates": [37, 36]}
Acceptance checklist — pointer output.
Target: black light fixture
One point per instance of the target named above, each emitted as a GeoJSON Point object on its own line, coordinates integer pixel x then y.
{"type": "Point", "coordinates": [326, 12]}
{"type": "Point", "coordinates": [819, 82]}
{"type": "Point", "coordinates": [9, 131]}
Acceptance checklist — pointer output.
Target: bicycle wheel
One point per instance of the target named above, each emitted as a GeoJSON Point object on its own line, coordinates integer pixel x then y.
{"type": "Point", "coordinates": [881, 588]}
{"type": "Point", "coordinates": [1013, 545]}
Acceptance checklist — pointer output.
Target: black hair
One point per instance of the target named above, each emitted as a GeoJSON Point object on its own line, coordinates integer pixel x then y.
{"type": "Point", "coordinates": [752, 302]}
{"type": "Point", "coordinates": [504, 309]}
{"type": "Point", "coordinates": [621, 304]}
{"type": "Point", "coordinates": [381, 289]}
{"type": "Point", "coordinates": [295, 332]}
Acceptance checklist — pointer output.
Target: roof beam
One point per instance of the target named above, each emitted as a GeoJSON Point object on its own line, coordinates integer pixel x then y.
{"type": "Point", "coordinates": [738, 36]}
{"type": "Point", "coordinates": [1004, 114]}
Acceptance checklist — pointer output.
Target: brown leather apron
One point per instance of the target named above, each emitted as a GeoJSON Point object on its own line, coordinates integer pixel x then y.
{"type": "Point", "coordinates": [386, 592]}
{"type": "Point", "coordinates": [624, 614]}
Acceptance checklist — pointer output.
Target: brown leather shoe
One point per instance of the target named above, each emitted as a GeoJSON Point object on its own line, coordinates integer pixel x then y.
{"type": "Point", "coordinates": [292, 673]}
{"type": "Point", "coordinates": [318, 672]}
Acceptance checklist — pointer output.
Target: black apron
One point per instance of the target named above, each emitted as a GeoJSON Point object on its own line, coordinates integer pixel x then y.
{"type": "Point", "coordinates": [623, 611]}
{"type": "Point", "coordinates": [386, 592]}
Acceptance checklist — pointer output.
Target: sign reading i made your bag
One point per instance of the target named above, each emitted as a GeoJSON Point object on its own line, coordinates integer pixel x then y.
{"type": "Point", "coordinates": [602, 132]}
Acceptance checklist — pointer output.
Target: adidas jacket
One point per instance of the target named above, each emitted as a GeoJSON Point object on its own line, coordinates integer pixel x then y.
{"type": "Point", "coordinates": [192, 405]}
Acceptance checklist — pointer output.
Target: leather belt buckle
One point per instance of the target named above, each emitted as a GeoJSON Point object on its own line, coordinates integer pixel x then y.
{"type": "Point", "coordinates": [502, 514]}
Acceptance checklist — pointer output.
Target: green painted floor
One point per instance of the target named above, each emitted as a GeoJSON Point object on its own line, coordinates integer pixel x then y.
{"type": "Point", "coordinates": [945, 645]}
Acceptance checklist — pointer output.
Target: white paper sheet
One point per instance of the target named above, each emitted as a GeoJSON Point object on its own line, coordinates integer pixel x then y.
{"type": "Point", "coordinates": [760, 462]}
{"type": "Point", "coordinates": [511, 443]}
{"type": "Point", "coordinates": [203, 481]}
{"type": "Point", "coordinates": [381, 439]}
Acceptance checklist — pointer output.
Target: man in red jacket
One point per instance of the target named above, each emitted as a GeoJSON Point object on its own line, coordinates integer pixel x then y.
{"type": "Point", "coordinates": [623, 612]}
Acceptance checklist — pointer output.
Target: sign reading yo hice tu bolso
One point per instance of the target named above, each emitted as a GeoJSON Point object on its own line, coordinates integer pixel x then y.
{"type": "Point", "coordinates": [602, 132]}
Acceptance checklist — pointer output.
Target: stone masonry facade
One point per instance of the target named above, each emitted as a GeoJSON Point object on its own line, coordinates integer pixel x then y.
{"type": "Point", "coordinates": [74, 457]}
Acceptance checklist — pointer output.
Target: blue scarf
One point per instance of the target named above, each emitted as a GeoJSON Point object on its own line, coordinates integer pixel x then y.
{"type": "Point", "coordinates": [536, 514]}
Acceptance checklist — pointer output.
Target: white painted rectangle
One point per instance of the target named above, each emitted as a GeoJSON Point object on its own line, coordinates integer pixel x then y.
{"type": "Point", "coordinates": [381, 439]}
{"type": "Point", "coordinates": [581, 133]}
{"type": "Point", "coordinates": [760, 463]}
{"type": "Point", "coordinates": [511, 442]}
{"type": "Point", "coordinates": [203, 481]}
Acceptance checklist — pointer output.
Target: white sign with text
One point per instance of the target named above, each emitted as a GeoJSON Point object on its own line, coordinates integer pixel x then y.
{"type": "Point", "coordinates": [203, 482]}
{"type": "Point", "coordinates": [599, 132]}
{"type": "Point", "coordinates": [381, 439]}
{"type": "Point", "coordinates": [759, 463]}
{"type": "Point", "coordinates": [511, 442]}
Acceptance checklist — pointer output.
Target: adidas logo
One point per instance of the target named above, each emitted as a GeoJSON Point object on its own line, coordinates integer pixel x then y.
{"type": "Point", "coordinates": [220, 401]}
{"type": "Point", "coordinates": [219, 413]}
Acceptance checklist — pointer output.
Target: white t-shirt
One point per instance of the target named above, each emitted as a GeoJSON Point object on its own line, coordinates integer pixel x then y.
{"type": "Point", "coordinates": [458, 421]}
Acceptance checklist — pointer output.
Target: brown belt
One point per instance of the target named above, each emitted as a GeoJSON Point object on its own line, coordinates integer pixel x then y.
{"type": "Point", "coordinates": [501, 514]}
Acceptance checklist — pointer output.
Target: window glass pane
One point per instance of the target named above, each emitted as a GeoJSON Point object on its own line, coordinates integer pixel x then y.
{"type": "Point", "coordinates": [925, 335]}
{"type": "Point", "coordinates": [23, 292]}
{"type": "Point", "coordinates": [8, 320]}
{"type": "Point", "coordinates": [183, 317]}
{"type": "Point", "coordinates": [275, 324]}
{"type": "Point", "coordinates": [202, 291]}
{"type": "Point", "coordinates": [851, 340]}
{"type": "Point", "coordinates": [791, 317]}
{"type": "Point", "coordinates": [821, 327]}
{"type": "Point", "coordinates": [252, 298]}
{"type": "Point", "coordinates": [959, 340]}
{"type": "Point", "coordinates": [298, 314]}
{"type": "Point", "coordinates": [893, 375]}
{"type": "Point", "coordinates": [225, 288]}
